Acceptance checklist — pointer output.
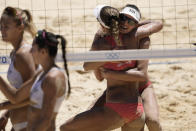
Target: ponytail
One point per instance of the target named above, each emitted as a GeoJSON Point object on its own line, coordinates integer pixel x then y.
{"type": "Point", "coordinates": [30, 27]}
{"type": "Point", "coordinates": [63, 44]}
{"type": "Point", "coordinates": [115, 31]}
{"type": "Point", "coordinates": [110, 17]}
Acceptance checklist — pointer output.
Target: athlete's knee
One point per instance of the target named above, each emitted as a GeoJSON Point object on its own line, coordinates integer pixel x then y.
{"type": "Point", "coordinates": [64, 128]}
{"type": "Point", "coordinates": [138, 123]}
{"type": "Point", "coordinates": [153, 124]}
{"type": "Point", "coordinates": [153, 121]}
{"type": "Point", "coordinates": [142, 119]}
{"type": "Point", "coordinates": [152, 116]}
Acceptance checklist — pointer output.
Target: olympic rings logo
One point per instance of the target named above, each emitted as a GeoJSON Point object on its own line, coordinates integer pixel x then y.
{"type": "Point", "coordinates": [112, 55]}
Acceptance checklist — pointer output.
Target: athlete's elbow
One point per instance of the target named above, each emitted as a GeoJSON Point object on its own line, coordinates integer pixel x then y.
{"type": "Point", "coordinates": [156, 27]}
{"type": "Point", "coordinates": [17, 99]}
{"type": "Point", "coordinates": [143, 77]}
{"type": "Point", "coordinates": [13, 100]}
{"type": "Point", "coordinates": [88, 66]}
{"type": "Point", "coordinates": [85, 67]}
{"type": "Point", "coordinates": [159, 25]}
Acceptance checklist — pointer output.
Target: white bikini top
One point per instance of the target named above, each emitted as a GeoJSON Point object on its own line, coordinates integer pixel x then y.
{"type": "Point", "coordinates": [37, 93]}
{"type": "Point", "coordinates": [13, 76]}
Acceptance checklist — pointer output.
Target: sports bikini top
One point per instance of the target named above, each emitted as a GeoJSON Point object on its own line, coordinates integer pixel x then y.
{"type": "Point", "coordinates": [37, 94]}
{"type": "Point", "coordinates": [124, 65]}
{"type": "Point", "coordinates": [13, 76]}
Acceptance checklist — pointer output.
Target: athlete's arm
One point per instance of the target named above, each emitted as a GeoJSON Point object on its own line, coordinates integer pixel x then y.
{"type": "Point", "coordinates": [98, 75]}
{"type": "Point", "coordinates": [8, 105]}
{"type": "Point", "coordinates": [138, 74]}
{"type": "Point", "coordinates": [148, 29]}
{"type": "Point", "coordinates": [98, 44]}
{"type": "Point", "coordinates": [17, 95]}
{"type": "Point", "coordinates": [142, 65]}
{"type": "Point", "coordinates": [144, 22]}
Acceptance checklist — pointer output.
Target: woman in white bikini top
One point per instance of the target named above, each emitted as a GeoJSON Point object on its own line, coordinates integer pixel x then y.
{"type": "Point", "coordinates": [14, 22]}
{"type": "Point", "coordinates": [37, 93]}
{"type": "Point", "coordinates": [45, 92]}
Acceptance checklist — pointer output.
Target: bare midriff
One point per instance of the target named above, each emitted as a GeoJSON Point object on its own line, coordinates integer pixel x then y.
{"type": "Point", "coordinates": [122, 92]}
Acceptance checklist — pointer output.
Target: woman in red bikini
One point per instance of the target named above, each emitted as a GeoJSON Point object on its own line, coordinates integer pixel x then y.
{"type": "Point", "coordinates": [145, 88]}
{"type": "Point", "coordinates": [123, 107]}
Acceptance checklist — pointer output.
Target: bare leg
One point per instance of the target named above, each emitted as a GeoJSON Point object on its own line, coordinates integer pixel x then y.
{"type": "Point", "coordinates": [136, 125]}
{"type": "Point", "coordinates": [99, 102]}
{"type": "Point", "coordinates": [99, 119]}
{"type": "Point", "coordinates": [151, 109]}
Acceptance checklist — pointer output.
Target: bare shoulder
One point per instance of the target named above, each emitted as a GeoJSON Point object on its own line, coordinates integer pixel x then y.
{"type": "Point", "coordinates": [55, 77]}
{"type": "Point", "coordinates": [55, 74]}
{"type": "Point", "coordinates": [24, 59]}
{"type": "Point", "coordinates": [25, 49]}
{"type": "Point", "coordinates": [55, 81]}
{"type": "Point", "coordinates": [23, 53]}
{"type": "Point", "coordinates": [100, 42]}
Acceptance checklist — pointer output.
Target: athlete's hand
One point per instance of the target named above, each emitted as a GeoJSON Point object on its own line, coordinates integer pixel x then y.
{"type": "Point", "coordinates": [105, 73]}
{"type": "Point", "coordinates": [3, 122]}
{"type": "Point", "coordinates": [98, 75]}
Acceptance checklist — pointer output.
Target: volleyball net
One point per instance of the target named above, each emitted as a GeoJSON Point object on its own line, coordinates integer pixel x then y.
{"type": "Point", "coordinates": [74, 20]}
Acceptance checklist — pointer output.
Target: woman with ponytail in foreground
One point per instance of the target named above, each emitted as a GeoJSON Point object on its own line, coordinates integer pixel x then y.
{"type": "Point", "coordinates": [45, 92]}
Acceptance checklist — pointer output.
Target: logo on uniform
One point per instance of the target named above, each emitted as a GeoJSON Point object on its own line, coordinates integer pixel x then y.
{"type": "Point", "coordinates": [112, 55]}
{"type": "Point", "coordinates": [133, 11]}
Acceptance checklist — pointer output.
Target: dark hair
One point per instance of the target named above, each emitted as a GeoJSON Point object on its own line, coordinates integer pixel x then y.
{"type": "Point", "coordinates": [110, 17]}
{"type": "Point", "coordinates": [134, 7]}
{"type": "Point", "coordinates": [50, 41]}
{"type": "Point", "coordinates": [21, 16]}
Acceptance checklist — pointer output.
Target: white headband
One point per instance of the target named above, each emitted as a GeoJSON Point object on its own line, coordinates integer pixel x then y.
{"type": "Point", "coordinates": [132, 12]}
{"type": "Point", "coordinates": [97, 12]}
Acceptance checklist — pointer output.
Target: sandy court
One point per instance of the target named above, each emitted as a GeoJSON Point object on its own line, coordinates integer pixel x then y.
{"type": "Point", "coordinates": [174, 83]}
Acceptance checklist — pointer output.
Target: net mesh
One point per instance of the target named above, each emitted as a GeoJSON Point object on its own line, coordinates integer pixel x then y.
{"type": "Point", "coordinates": [75, 21]}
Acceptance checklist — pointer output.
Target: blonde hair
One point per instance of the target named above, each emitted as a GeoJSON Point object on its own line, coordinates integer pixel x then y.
{"type": "Point", "coordinates": [21, 16]}
{"type": "Point", "coordinates": [110, 17]}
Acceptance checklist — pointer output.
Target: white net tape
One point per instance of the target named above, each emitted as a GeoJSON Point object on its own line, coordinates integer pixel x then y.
{"type": "Point", "coordinates": [120, 55]}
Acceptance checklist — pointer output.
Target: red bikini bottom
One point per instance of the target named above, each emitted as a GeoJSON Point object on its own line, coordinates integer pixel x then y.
{"type": "Point", "coordinates": [141, 89]}
{"type": "Point", "coordinates": [128, 111]}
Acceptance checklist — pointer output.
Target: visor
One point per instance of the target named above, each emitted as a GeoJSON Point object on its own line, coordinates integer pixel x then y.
{"type": "Point", "coordinates": [97, 12]}
{"type": "Point", "coordinates": [132, 12]}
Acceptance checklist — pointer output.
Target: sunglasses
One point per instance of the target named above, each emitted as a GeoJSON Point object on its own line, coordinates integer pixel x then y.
{"type": "Point", "coordinates": [129, 20]}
